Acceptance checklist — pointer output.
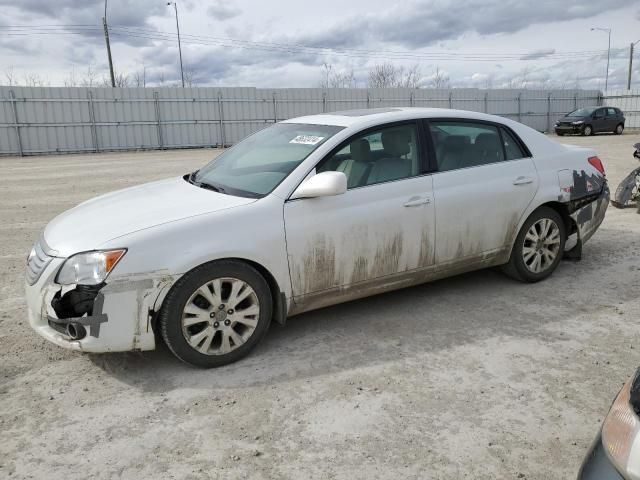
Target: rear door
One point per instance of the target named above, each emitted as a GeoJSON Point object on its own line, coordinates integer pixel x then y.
{"type": "Point", "coordinates": [485, 181]}
{"type": "Point", "coordinates": [612, 119]}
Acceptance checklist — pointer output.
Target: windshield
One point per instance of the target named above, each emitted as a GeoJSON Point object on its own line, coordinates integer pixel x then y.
{"type": "Point", "coordinates": [581, 112]}
{"type": "Point", "coordinates": [257, 165]}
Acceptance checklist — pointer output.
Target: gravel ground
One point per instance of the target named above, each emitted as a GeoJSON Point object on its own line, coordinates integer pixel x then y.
{"type": "Point", "coordinates": [475, 376]}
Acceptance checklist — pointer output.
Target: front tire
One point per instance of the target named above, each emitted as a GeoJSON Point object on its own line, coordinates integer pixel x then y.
{"type": "Point", "coordinates": [216, 314]}
{"type": "Point", "coordinates": [538, 248]}
{"type": "Point", "coordinates": [619, 129]}
{"type": "Point", "coordinates": [587, 130]}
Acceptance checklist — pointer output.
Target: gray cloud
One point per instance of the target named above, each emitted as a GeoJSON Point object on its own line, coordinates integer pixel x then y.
{"type": "Point", "coordinates": [421, 24]}
{"type": "Point", "coordinates": [223, 10]}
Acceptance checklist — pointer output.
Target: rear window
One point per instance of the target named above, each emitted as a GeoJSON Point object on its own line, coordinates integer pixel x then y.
{"type": "Point", "coordinates": [511, 146]}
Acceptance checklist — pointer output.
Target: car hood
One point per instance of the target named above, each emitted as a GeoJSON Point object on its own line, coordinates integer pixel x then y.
{"type": "Point", "coordinates": [107, 217]}
{"type": "Point", "coordinates": [572, 119]}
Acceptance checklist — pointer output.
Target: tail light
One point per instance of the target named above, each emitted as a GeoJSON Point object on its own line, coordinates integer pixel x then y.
{"type": "Point", "coordinates": [597, 164]}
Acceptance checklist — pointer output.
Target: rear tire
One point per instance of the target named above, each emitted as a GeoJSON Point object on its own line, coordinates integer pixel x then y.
{"type": "Point", "coordinates": [619, 129]}
{"type": "Point", "coordinates": [587, 130]}
{"type": "Point", "coordinates": [538, 248]}
{"type": "Point", "coordinates": [216, 313]}
{"type": "Point", "coordinates": [560, 134]}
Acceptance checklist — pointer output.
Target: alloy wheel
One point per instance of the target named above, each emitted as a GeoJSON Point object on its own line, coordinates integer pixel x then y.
{"type": "Point", "coordinates": [220, 316]}
{"type": "Point", "coordinates": [541, 245]}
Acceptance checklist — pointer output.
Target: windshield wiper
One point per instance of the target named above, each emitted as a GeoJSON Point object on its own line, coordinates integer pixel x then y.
{"type": "Point", "coordinates": [209, 186]}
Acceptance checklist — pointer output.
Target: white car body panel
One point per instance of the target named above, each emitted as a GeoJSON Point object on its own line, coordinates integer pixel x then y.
{"type": "Point", "coordinates": [316, 251]}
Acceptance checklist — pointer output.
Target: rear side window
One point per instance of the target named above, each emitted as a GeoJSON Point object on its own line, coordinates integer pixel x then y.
{"type": "Point", "coordinates": [511, 146]}
{"type": "Point", "coordinates": [465, 144]}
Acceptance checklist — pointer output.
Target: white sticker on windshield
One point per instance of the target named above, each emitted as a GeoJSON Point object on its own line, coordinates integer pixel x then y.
{"type": "Point", "coordinates": [307, 139]}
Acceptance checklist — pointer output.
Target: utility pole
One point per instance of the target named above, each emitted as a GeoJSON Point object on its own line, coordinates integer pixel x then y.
{"type": "Point", "coordinates": [106, 38]}
{"type": "Point", "coordinates": [175, 7]}
{"type": "Point", "coordinates": [633, 44]}
{"type": "Point", "coordinates": [608, 30]}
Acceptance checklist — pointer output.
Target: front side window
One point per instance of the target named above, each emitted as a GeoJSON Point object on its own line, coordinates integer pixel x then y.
{"type": "Point", "coordinates": [377, 156]}
{"type": "Point", "coordinates": [462, 144]}
{"type": "Point", "coordinates": [611, 112]}
{"type": "Point", "coordinates": [257, 164]}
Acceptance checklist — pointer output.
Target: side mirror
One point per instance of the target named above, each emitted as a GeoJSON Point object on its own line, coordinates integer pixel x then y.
{"type": "Point", "coordinates": [325, 184]}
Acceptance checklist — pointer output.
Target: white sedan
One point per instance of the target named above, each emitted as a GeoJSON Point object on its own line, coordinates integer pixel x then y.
{"type": "Point", "coordinates": [306, 213]}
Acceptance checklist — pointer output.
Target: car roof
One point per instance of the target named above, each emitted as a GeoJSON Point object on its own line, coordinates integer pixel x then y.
{"type": "Point", "coordinates": [373, 116]}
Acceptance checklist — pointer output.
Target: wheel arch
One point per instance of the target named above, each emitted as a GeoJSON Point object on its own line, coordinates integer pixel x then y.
{"type": "Point", "coordinates": [278, 297]}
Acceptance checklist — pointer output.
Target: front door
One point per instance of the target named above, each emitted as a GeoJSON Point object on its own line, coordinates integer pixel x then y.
{"type": "Point", "coordinates": [599, 120]}
{"type": "Point", "coordinates": [362, 241]}
{"type": "Point", "coordinates": [484, 183]}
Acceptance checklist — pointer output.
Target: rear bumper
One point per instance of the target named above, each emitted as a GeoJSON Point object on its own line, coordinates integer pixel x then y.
{"type": "Point", "coordinates": [589, 217]}
{"type": "Point", "coordinates": [596, 465]}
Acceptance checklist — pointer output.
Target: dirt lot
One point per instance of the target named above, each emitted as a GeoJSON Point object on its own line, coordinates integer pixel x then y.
{"type": "Point", "coordinates": [471, 377]}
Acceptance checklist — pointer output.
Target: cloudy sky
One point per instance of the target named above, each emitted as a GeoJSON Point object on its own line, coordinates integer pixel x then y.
{"type": "Point", "coordinates": [476, 43]}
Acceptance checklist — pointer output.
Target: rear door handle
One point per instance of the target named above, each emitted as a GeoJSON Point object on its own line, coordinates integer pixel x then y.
{"type": "Point", "coordinates": [523, 180]}
{"type": "Point", "coordinates": [417, 201]}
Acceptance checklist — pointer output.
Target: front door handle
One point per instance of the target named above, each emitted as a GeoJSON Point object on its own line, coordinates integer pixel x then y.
{"type": "Point", "coordinates": [523, 181]}
{"type": "Point", "coordinates": [417, 201]}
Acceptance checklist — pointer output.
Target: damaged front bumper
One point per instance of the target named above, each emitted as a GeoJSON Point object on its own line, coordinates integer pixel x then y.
{"type": "Point", "coordinates": [118, 316]}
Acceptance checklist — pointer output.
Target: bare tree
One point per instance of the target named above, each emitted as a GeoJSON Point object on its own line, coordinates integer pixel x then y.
{"type": "Point", "coordinates": [91, 78]}
{"type": "Point", "coordinates": [411, 77]}
{"type": "Point", "coordinates": [122, 80]}
{"type": "Point", "coordinates": [327, 70]}
{"type": "Point", "coordinates": [384, 75]}
{"type": "Point", "coordinates": [140, 79]}
{"type": "Point", "coordinates": [34, 80]}
{"type": "Point", "coordinates": [524, 77]}
{"type": "Point", "coordinates": [333, 79]}
{"type": "Point", "coordinates": [387, 75]}
{"type": "Point", "coordinates": [10, 76]}
{"type": "Point", "coordinates": [71, 80]}
{"type": "Point", "coordinates": [439, 79]}
{"type": "Point", "coordinates": [189, 78]}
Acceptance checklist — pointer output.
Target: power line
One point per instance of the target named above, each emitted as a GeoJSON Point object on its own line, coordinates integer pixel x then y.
{"type": "Point", "coordinates": [289, 48]}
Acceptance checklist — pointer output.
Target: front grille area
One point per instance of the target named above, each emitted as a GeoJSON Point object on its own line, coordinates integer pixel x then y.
{"type": "Point", "coordinates": [37, 263]}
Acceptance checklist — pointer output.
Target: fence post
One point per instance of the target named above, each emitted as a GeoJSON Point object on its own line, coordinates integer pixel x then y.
{"type": "Point", "coordinates": [486, 102]}
{"type": "Point", "coordinates": [368, 99]}
{"type": "Point", "coordinates": [575, 100]}
{"type": "Point", "coordinates": [221, 115]}
{"type": "Point", "coordinates": [275, 108]}
{"type": "Point", "coordinates": [411, 99]}
{"type": "Point", "coordinates": [92, 119]}
{"type": "Point", "coordinates": [324, 102]}
{"type": "Point", "coordinates": [450, 99]}
{"type": "Point", "coordinates": [549, 112]}
{"type": "Point", "coordinates": [156, 102]}
{"type": "Point", "coordinates": [16, 125]}
{"type": "Point", "coordinates": [520, 107]}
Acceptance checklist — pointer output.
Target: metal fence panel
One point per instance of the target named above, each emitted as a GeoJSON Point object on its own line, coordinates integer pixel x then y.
{"type": "Point", "coordinates": [61, 120]}
{"type": "Point", "coordinates": [628, 101]}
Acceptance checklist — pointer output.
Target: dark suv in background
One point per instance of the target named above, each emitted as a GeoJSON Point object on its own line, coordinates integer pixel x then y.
{"type": "Point", "coordinates": [590, 120]}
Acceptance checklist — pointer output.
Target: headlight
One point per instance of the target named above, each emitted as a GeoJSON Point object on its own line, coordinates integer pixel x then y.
{"type": "Point", "coordinates": [620, 435]}
{"type": "Point", "coordinates": [579, 122]}
{"type": "Point", "coordinates": [89, 268]}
